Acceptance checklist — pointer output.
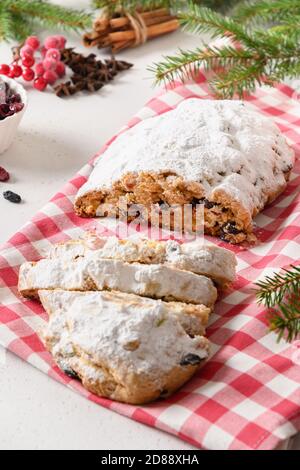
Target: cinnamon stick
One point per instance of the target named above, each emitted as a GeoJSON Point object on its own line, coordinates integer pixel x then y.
{"type": "Point", "coordinates": [119, 32]}
{"type": "Point", "coordinates": [155, 13]}
{"type": "Point", "coordinates": [123, 21]}
{"type": "Point", "coordinates": [152, 31]}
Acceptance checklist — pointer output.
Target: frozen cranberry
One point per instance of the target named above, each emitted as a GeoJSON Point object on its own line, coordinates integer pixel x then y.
{"type": "Point", "coordinates": [14, 98]}
{"type": "Point", "coordinates": [5, 110]}
{"type": "Point", "coordinates": [53, 54]}
{"type": "Point", "coordinates": [61, 41]}
{"type": "Point", "coordinates": [15, 71]}
{"type": "Point", "coordinates": [26, 51]}
{"type": "Point", "coordinates": [50, 76]}
{"type": "Point", "coordinates": [28, 75]}
{"type": "Point", "coordinates": [60, 69]}
{"type": "Point", "coordinates": [16, 107]}
{"type": "Point", "coordinates": [43, 51]}
{"type": "Point", "coordinates": [40, 84]}
{"type": "Point", "coordinates": [39, 69]}
{"type": "Point", "coordinates": [51, 42]}
{"type": "Point", "coordinates": [4, 69]}
{"type": "Point", "coordinates": [49, 64]}
{"type": "Point", "coordinates": [33, 41]}
{"type": "Point", "coordinates": [4, 175]}
{"type": "Point", "coordinates": [28, 61]}
{"type": "Point", "coordinates": [11, 102]}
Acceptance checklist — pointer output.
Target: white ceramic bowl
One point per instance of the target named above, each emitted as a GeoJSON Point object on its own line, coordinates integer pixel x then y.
{"type": "Point", "coordinates": [9, 125]}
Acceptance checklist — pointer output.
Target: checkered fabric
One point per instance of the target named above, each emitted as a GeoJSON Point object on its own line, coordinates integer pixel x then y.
{"type": "Point", "coordinates": [247, 396]}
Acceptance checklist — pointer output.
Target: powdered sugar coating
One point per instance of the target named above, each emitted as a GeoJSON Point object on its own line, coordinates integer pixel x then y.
{"type": "Point", "coordinates": [224, 145]}
{"type": "Point", "coordinates": [207, 259]}
{"type": "Point", "coordinates": [116, 331]}
{"type": "Point", "coordinates": [96, 273]}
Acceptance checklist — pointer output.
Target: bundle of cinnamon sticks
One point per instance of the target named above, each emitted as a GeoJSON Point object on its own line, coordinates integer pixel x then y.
{"type": "Point", "coordinates": [123, 30]}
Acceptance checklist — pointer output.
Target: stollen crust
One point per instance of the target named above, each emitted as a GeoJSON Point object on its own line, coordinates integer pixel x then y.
{"type": "Point", "coordinates": [222, 155]}
{"type": "Point", "coordinates": [121, 346]}
{"type": "Point", "coordinates": [200, 258]}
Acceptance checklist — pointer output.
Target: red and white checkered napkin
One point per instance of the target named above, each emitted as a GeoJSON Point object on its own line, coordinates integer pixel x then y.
{"type": "Point", "coordinates": [247, 396]}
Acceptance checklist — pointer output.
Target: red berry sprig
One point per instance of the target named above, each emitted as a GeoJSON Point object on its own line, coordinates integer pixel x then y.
{"type": "Point", "coordinates": [42, 70]}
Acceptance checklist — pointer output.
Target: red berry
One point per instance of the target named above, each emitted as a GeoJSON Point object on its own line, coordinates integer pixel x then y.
{"type": "Point", "coordinates": [4, 69]}
{"type": "Point", "coordinates": [60, 69]}
{"type": "Point", "coordinates": [16, 107]}
{"type": "Point", "coordinates": [28, 61]}
{"type": "Point", "coordinates": [39, 69]}
{"type": "Point", "coordinates": [28, 74]}
{"type": "Point", "coordinates": [15, 71]}
{"type": "Point", "coordinates": [43, 51]}
{"type": "Point", "coordinates": [53, 54]}
{"type": "Point", "coordinates": [33, 41]}
{"type": "Point", "coordinates": [40, 84]}
{"type": "Point", "coordinates": [49, 64]}
{"type": "Point", "coordinates": [4, 175]}
{"type": "Point", "coordinates": [50, 76]}
{"type": "Point", "coordinates": [26, 51]}
{"type": "Point", "coordinates": [51, 42]}
{"type": "Point", "coordinates": [61, 41]}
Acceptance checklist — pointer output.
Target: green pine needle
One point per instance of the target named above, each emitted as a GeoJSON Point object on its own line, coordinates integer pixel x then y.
{"type": "Point", "coordinates": [285, 320]}
{"type": "Point", "coordinates": [129, 5]}
{"type": "Point", "coordinates": [281, 294]}
{"type": "Point", "coordinates": [6, 23]}
{"type": "Point", "coordinates": [20, 18]}
{"type": "Point", "coordinates": [266, 54]}
{"type": "Point", "coordinates": [175, 5]}
{"type": "Point", "coordinates": [266, 10]}
{"type": "Point", "coordinates": [204, 20]}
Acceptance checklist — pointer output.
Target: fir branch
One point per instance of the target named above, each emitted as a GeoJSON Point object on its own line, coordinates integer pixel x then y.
{"type": "Point", "coordinates": [22, 27]}
{"type": "Point", "coordinates": [285, 320]}
{"type": "Point", "coordinates": [281, 294]}
{"type": "Point", "coordinates": [175, 5]}
{"type": "Point", "coordinates": [186, 63]}
{"type": "Point", "coordinates": [6, 23]}
{"type": "Point", "coordinates": [113, 6]}
{"type": "Point", "coordinates": [204, 20]}
{"type": "Point", "coordinates": [19, 18]}
{"type": "Point", "coordinates": [273, 288]}
{"type": "Point", "coordinates": [51, 15]}
{"type": "Point", "coordinates": [268, 54]}
{"type": "Point", "coordinates": [266, 10]}
{"type": "Point", "coordinates": [239, 78]}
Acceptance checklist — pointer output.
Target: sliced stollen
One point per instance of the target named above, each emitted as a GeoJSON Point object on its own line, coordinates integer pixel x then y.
{"type": "Point", "coordinates": [121, 346]}
{"type": "Point", "coordinates": [222, 155]}
{"type": "Point", "coordinates": [206, 259]}
{"type": "Point", "coordinates": [95, 273]}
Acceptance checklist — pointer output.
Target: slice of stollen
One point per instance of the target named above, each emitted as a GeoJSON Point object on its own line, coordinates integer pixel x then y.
{"type": "Point", "coordinates": [121, 346]}
{"type": "Point", "coordinates": [198, 257]}
{"type": "Point", "coordinates": [91, 273]}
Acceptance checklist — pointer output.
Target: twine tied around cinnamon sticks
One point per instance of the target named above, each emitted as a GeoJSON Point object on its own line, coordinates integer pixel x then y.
{"type": "Point", "coordinates": [130, 29]}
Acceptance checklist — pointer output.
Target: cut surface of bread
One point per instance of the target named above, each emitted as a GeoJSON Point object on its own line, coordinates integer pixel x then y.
{"type": "Point", "coordinates": [219, 155]}
{"type": "Point", "coordinates": [121, 346]}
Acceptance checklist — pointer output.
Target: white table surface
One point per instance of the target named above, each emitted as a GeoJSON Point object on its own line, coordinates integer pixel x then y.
{"type": "Point", "coordinates": [56, 138]}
